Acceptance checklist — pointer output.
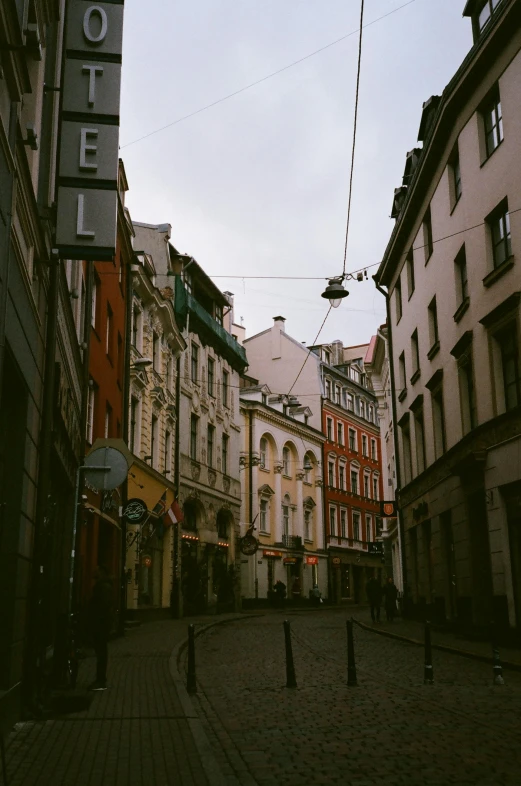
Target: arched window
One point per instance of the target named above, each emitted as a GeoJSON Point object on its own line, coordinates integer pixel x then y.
{"type": "Point", "coordinates": [286, 508]}
{"type": "Point", "coordinates": [285, 461]}
{"type": "Point", "coordinates": [264, 453]}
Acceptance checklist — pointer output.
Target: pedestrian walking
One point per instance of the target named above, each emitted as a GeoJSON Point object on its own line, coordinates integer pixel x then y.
{"type": "Point", "coordinates": [390, 596]}
{"type": "Point", "coordinates": [100, 623]}
{"type": "Point", "coordinates": [280, 592]}
{"type": "Point", "coordinates": [374, 596]}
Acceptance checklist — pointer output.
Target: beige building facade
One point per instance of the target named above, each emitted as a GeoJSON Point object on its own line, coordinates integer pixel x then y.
{"type": "Point", "coordinates": [281, 472]}
{"type": "Point", "coordinates": [451, 270]}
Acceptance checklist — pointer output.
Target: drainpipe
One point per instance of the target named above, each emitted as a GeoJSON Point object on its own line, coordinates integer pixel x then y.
{"type": "Point", "coordinates": [250, 495]}
{"type": "Point", "coordinates": [176, 607]}
{"type": "Point", "coordinates": [395, 440]}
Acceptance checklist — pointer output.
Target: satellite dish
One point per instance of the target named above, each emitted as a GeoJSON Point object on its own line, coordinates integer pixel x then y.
{"type": "Point", "coordinates": [116, 468]}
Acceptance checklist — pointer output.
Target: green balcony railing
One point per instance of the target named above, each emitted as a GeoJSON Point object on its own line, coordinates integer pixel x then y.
{"type": "Point", "coordinates": [216, 335]}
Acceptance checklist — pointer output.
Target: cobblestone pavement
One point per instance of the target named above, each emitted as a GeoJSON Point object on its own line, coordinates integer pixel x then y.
{"type": "Point", "coordinates": [134, 734]}
{"type": "Point", "coordinates": [391, 729]}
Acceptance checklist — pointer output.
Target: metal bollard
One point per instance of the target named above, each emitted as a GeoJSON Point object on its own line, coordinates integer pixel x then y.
{"type": "Point", "coordinates": [496, 661]}
{"type": "Point", "coordinates": [428, 673]}
{"type": "Point", "coordinates": [351, 667]}
{"type": "Point", "coordinates": [191, 685]}
{"type": "Point", "coordinates": [291, 680]}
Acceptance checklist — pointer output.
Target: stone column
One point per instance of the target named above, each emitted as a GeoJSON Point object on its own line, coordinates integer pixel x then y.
{"type": "Point", "coordinates": [319, 515]}
{"type": "Point", "coordinates": [278, 502]}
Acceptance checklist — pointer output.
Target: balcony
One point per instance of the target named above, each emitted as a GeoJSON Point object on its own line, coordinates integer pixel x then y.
{"type": "Point", "coordinates": [292, 542]}
{"type": "Point", "coordinates": [214, 334]}
{"type": "Point", "coordinates": [346, 543]}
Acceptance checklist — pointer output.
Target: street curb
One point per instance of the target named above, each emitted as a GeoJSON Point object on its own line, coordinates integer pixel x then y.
{"type": "Point", "coordinates": [202, 743]}
{"type": "Point", "coordinates": [509, 665]}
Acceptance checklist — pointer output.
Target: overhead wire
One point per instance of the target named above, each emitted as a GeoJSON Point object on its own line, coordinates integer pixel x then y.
{"type": "Point", "coordinates": [264, 78]}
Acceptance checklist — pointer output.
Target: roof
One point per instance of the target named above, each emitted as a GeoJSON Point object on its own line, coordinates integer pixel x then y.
{"type": "Point", "coordinates": [369, 355]}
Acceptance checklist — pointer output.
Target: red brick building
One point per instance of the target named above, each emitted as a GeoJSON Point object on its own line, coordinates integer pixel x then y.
{"type": "Point", "coordinates": [352, 473]}
{"type": "Point", "coordinates": [99, 536]}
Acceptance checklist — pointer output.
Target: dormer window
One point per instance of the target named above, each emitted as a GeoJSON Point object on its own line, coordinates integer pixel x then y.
{"type": "Point", "coordinates": [219, 315]}
{"type": "Point", "coordinates": [485, 15]}
{"type": "Point", "coordinates": [326, 356]}
{"type": "Point", "coordinates": [481, 12]}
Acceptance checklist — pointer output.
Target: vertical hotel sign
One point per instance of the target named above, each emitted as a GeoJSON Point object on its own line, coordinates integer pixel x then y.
{"type": "Point", "coordinates": [89, 131]}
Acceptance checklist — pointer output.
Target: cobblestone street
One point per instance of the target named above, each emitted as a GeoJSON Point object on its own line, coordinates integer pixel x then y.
{"type": "Point", "coordinates": [390, 729]}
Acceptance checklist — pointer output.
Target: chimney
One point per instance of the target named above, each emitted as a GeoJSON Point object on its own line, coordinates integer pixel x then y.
{"type": "Point", "coordinates": [337, 352]}
{"type": "Point", "coordinates": [278, 328]}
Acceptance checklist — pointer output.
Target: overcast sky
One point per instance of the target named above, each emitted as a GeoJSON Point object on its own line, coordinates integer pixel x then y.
{"type": "Point", "coordinates": [258, 184]}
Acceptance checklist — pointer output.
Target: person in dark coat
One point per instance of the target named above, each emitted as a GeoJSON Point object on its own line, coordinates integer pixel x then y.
{"type": "Point", "coordinates": [390, 595]}
{"type": "Point", "coordinates": [374, 596]}
{"type": "Point", "coordinates": [100, 613]}
{"type": "Point", "coordinates": [280, 592]}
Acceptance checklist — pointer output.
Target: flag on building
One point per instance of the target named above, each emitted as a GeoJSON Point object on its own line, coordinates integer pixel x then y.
{"type": "Point", "coordinates": [159, 511]}
{"type": "Point", "coordinates": [174, 514]}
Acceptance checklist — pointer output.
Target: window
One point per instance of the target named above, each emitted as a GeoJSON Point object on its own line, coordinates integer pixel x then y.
{"type": "Point", "coordinates": [467, 391]}
{"type": "Point", "coordinates": [264, 453]}
{"type": "Point", "coordinates": [427, 235]}
{"type": "Point", "coordinates": [354, 481]}
{"type": "Point", "coordinates": [342, 477]}
{"type": "Point", "coordinates": [134, 409]}
{"type": "Point", "coordinates": [398, 299]}
{"type": "Point", "coordinates": [326, 356]}
{"type": "Point", "coordinates": [194, 435]}
{"type": "Point", "coordinates": [419, 436]}
{"type": "Point", "coordinates": [508, 344]}
{"type": "Point", "coordinates": [224, 457]}
{"type": "Point", "coordinates": [90, 413]}
{"type": "Point", "coordinates": [366, 486]}
{"type": "Point", "coordinates": [331, 474]}
{"type": "Point", "coordinates": [352, 439]}
{"type": "Point", "coordinates": [109, 337]}
{"type": "Point", "coordinates": [406, 450]}
{"type": "Point", "coordinates": [350, 402]}
{"type": "Point", "coordinates": [402, 371]}
{"type": "Point", "coordinates": [485, 14]}
{"type": "Point", "coordinates": [170, 374]}
{"type": "Point", "coordinates": [368, 529]}
{"type": "Point", "coordinates": [307, 470]}
{"type": "Point", "coordinates": [95, 300]}
{"type": "Point", "coordinates": [108, 421]}
{"type": "Point", "coordinates": [285, 461]}
{"type": "Point", "coordinates": [154, 440]}
{"type": "Point", "coordinates": [370, 414]}
{"type": "Point", "coordinates": [264, 516]}
{"type": "Point", "coordinates": [156, 352]}
{"type": "Point", "coordinates": [343, 523]}
{"type": "Point", "coordinates": [329, 429]}
{"type": "Point", "coordinates": [226, 387]}
{"type": "Point", "coordinates": [356, 526]}
{"type": "Point", "coordinates": [285, 517]}
{"type": "Point", "coordinates": [373, 449]}
{"type": "Point", "coordinates": [456, 177]}
{"type": "Point", "coordinates": [340, 428]}
{"type": "Point", "coordinates": [364, 445]}
{"type": "Point", "coordinates": [410, 272]}
{"type": "Point", "coordinates": [120, 359]}
{"type": "Point", "coordinates": [219, 315]}
{"type": "Point", "coordinates": [137, 328]}
{"type": "Point", "coordinates": [499, 223]}
{"type": "Point", "coordinates": [433, 323]}
{"type": "Point", "coordinates": [493, 121]}
{"type": "Point", "coordinates": [327, 388]}
{"type": "Point", "coordinates": [438, 422]}
{"type": "Point", "coordinates": [307, 524]}
{"type": "Point", "coordinates": [168, 452]}
{"type": "Point", "coordinates": [362, 409]}
{"type": "Point", "coordinates": [332, 521]}
{"type": "Point", "coordinates": [338, 394]}
{"type": "Point", "coordinates": [194, 363]}
{"type": "Point", "coordinates": [462, 284]}
{"type": "Point", "coordinates": [375, 488]}
{"type": "Point", "coordinates": [210, 442]}
{"type": "Point", "coordinates": [211, 377]}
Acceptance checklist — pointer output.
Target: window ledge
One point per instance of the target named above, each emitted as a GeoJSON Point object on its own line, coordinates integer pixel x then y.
{"type": "Point", "coordinates": [499, 271]}
{"type": "Point", "coordinates": [462, 308]}
{"type": "Point", "coordinates": [455, 205]}
{"type": "Point", "coordinates": [433, 351]}
{"type": "Point", "coordinates": [264, 469]}
{"type": "Point", "coordinates": [485, 160]}
{"type": "Point", "coordinates": [415, 377]}
{"type": "Point", "coordinates": [402, 394]}
{"type": "Point", "coordinates": [263, 532]}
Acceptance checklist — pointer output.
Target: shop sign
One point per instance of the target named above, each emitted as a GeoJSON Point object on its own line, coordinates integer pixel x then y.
{"type": "Point", "coordinates": [147, 561]}
{"type": "Point", "coordinates": [375, 548]}
{"type": "Point", "coordinates": [388, 508]}
{"type": "Point", "coordinates": [336, 561]}
{"type": "Point", "coordinates": [311, 560]}
{"type": "Point", "coordinates": [135, 511]}
{"type": "Point", "coordinates": [290, 561]}
{"type": "Point", "coordinates": [249, 545]}
{"type": "Point", "coordinates": [89, 131]}
{"type": "Point", "coordinates": [270, 553]}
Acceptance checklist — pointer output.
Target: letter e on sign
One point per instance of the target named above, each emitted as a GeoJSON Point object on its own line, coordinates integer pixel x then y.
{"type": "Point", "coordinates": [95, 32]}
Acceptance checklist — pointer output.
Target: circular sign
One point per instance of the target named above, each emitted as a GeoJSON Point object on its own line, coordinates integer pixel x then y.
{"type": "Point", "coordinates": [249, 545]}
{"type": "Point", "coordinates": [135, 510]}
{"type": "Point", "coordinates": [147, 561]}
{"type": "Point", "coordinates": [107, 468]}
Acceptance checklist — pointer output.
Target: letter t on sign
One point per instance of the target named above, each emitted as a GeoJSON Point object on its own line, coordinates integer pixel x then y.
{"type": "Point", "coordinates": [80, 231]}
{"type": "Point", "coordinates": [92, 70]}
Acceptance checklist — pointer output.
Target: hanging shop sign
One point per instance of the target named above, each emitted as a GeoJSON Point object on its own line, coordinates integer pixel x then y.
{"type": "Point", "coordinates": [336, 560]}
{"type": "Point", "coordinates": [135, 511]}
{"type": "Point", "coordinates": [147, 561]}
{"type": "Point", "coordinates": [388, 508]}
{"type": "Point", "coordinates": [375, 548]}
{"type": "Point", "coordinates": [289, 561]}
{"type": "Point", "coordinates": [249, 544]}
{"type": "Point", "coordinates": [311, 560]}
{"type": "Point", "coordinates": [270, 553]}
{"type": "Point", "coordinates": [89, 131]}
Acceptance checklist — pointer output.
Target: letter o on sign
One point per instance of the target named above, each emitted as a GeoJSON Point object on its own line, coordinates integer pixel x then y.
{"type": "Point", "coordinates": [95, 9]}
